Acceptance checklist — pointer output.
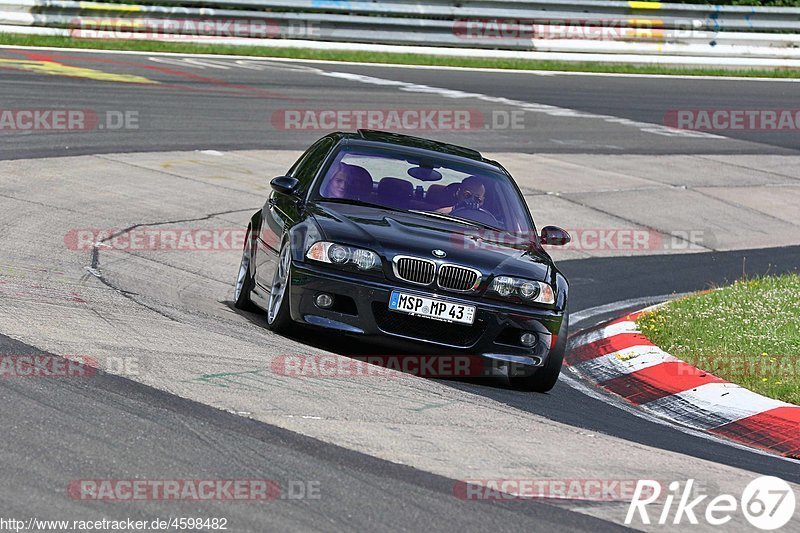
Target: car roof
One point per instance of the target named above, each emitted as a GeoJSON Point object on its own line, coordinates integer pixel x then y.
{"type": "Point", "coordinates": [374, 137]}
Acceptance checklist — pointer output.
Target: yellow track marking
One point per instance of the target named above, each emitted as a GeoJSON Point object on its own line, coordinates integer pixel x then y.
{"type": "Point", "coordinates": [57, 69]}
{"type": "Point", "coordinates": [644, 5]}
{"type": "Point", "coordinates": [108, 7]}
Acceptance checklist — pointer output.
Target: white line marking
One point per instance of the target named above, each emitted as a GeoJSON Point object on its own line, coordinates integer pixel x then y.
{"type": "Point", "coordinates": [624, 362]}
{"type": "Point", "coordinates": [713, 405]}
{"type": "Point", "coordinates": [553, 111]}
{"type": "Point", "coordinates": [619, 328]}
{"type": "Point", "coordinates": [586, 314]}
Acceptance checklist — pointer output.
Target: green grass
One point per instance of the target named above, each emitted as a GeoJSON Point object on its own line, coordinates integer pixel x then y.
{"type": "Point", "coordinates": [747, 333]}
{"type": "Point", "coordinates": [383, 57]}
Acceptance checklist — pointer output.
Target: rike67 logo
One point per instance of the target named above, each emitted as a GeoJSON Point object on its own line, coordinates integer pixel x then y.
{"type": "Point", "coordinates": [768, 503]}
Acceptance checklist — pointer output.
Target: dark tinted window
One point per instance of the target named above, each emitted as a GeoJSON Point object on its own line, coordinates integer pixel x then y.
{"type": "Point", "coordinates": [305, 169]}
{"type": "Point", "coordinates": [401, 180]}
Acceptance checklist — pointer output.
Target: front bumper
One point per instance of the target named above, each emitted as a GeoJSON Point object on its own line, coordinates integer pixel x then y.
{"type": "Point", "coordinates": [494, 334]}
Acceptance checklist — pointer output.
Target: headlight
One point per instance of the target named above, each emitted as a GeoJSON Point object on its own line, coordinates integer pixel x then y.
{"type": "Point", "coordinates": [339, 254]}
{"type": "Point", "coordinates": [365, 259]}
{"type": "Point", "coordinates": [526, 290]}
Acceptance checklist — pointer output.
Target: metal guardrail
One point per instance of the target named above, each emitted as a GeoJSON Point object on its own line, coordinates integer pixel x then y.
{"type": "Point", "coordinates": [682, 16]}
{"type": "Point", "coordinates": [582, 26]}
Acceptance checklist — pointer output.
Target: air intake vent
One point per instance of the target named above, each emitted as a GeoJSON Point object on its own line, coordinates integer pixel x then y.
{"type": "Point", "coordinates": [414, 270]}
{"type": "Point", "coordinates": [456, 278]}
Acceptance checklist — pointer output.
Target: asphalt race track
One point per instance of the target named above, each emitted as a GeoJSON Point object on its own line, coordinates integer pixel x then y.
{"type": "Point", "coordinates": [188, 104]}
{"type": "Point", "coordinates": [385, 455]}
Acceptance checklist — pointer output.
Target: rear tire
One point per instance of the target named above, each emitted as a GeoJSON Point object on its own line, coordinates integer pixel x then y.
{"type": "Point", "coordinates": [546, 377]}
{"type": "Point", "coordinates": [244, 280]}
{"type": "Point", "coordinates": [279, 318]}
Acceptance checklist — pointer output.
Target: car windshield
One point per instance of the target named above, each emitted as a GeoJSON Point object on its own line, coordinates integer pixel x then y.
{"type": "Point", "coordinates": [434, 186]}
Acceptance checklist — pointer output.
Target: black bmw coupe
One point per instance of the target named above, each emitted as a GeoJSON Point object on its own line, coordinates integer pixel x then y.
{"type": "Point", "coordinates": [384, 235]}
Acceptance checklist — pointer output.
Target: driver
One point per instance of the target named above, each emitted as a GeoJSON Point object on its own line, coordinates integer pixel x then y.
{"type": "Point", "coordinates": [470, 195]}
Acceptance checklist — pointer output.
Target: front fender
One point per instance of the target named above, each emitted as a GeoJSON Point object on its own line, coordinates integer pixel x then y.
{"type": "Point", "coordinates": [301, 236]}
{"type": "Point", "coordinates": [562, 291]}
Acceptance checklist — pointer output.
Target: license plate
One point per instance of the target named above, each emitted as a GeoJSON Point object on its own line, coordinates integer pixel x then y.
{"type": "Point", "coordinates": [430, 308]}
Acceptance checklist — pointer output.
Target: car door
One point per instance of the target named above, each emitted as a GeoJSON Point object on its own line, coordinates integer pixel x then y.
{"type": "Point", "coordinates": [281, 212]}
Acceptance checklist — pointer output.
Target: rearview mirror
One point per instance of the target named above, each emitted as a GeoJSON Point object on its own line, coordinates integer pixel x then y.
{"type": "Point", "coordinates": [285, 185]}
{"type": "Point", "coordinates": [554, 236]}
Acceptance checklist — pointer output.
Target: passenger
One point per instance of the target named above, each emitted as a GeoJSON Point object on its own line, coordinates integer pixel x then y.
{"type": "Point", "coordinates": [337, 185]}
{"type": "Point", "coordinates": [350, 182]}
{"type": "Point", "coordinates": [470, 195]}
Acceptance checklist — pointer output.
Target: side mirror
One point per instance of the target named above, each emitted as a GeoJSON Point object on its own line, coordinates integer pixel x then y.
{"type": "Point", "coordinates": [285, 185]}
{"type": "Point", "coordinates": [554, 236]}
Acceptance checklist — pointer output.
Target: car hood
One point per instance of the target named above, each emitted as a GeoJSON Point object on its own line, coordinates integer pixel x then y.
{"type": "Point", "coordinates": [391, 233]}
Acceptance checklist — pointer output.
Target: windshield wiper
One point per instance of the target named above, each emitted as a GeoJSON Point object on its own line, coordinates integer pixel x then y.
{"type": "Point", "coordinates": [459, 220]}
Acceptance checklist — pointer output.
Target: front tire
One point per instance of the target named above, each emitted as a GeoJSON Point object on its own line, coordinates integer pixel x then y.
{"type": "Point", "coordinates": [279, 319]}
{"type": "Point", "coordinates": [546, 377]}
{"type": "Point", "coordinates": [244, 280]}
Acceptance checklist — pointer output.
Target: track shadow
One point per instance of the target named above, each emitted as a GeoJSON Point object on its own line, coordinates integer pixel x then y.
{"type": "Point", "coordinates": [571, 402]}
{"type": "Point", "coordinates": [381, 352]}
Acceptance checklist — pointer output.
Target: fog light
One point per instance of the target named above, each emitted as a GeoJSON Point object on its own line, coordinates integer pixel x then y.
{"type": "Point", "coordinates": [324, 300]}
{"type": "Point", "coordinates": [528, 339]}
